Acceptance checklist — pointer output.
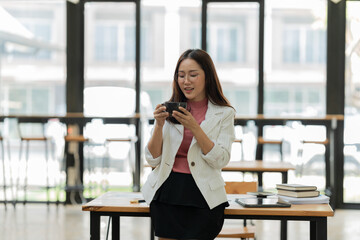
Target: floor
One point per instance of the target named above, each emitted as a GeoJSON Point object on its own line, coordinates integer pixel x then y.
{"type": "Point", "coordinates": [42, 222]}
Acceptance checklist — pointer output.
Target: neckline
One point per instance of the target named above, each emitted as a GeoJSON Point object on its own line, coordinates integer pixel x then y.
{"type": "Point", "coordinates": [200, 103]}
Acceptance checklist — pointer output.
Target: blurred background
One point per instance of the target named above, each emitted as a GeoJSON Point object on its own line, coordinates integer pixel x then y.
{"type": "Point", "coordinates": [33, 78]}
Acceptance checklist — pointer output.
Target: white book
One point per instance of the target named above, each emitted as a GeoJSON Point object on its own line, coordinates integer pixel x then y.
{"type": "Point", "coordinates": [295, 187]}
{"type": "Point", "coordinates": [298, 193]}
{"type": "Point", "coordinates": [309, 200]}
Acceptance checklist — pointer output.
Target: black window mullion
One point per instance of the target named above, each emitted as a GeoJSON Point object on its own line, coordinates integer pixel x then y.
{"type": "Point", "coordinates": [335, 95]}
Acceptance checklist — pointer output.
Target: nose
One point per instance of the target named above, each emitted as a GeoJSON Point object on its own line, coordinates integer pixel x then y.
{"type": "Point", "coordinates": [187, 79]}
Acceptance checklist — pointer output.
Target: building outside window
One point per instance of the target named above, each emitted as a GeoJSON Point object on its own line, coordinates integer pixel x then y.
{"type": "Point", "coordinates": [303, 45]}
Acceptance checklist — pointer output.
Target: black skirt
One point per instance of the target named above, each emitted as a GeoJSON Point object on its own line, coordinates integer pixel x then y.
{"type": "Point", "coordinates": [179, 210]}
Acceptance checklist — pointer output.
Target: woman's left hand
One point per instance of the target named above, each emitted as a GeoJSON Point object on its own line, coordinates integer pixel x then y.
{"type": "Point", "coordinates": [186, 119]}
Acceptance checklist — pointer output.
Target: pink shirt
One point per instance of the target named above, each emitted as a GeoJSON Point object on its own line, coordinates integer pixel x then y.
{"type": "Point", "coordinates": [198, 110]}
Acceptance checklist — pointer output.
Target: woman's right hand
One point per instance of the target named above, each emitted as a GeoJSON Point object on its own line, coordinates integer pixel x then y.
{"type": "Point", "coordinates": [160, 115]}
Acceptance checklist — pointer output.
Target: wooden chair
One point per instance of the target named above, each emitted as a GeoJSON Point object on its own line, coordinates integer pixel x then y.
{"type": "Point", "coordinates": [237, 140]}
{"type": "Point", "coordinates": [4, 173]}
{"type": "Point", "coordinates": [324, 142]}
{"type": "Point", "coordinates": [33, 130]}
{"type": "Point", "coordinates": [73, 141]}
{"type": "Point", "coordinates": [131, 154]}
{"type": "Point", "coordinates": [242, 232]}
{"type": "Point", "coordinates": [262, 141]}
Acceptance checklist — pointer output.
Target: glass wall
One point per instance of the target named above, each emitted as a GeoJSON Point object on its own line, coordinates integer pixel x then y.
{"type": "Point", "coordinates": [295, 58]}
{"type": "Point", "coordinates": [232, 41]}
{"type": "Point", "coordinates": [168, 29]}
{"type": "Point", "coordinates": [109, 75]}
{"type": "Point", "coordinates": [32, 79]}
{"type": "Point", "coordinates": [32, 69]}
{"type": "Point", "coordinates": [32, 55]}
{"type": "Point", "coordinates": [352, 105]}
{"type": "Point", "coordinates": [110, 44]}
{"type": "Point", "coordinates": [295, 83]}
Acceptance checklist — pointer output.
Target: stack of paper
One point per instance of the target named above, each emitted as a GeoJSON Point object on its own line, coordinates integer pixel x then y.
{"type": "Point", "coordinates": [309, 200]}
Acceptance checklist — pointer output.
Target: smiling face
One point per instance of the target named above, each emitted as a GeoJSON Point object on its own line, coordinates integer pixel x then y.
{"type": "Point", "coordinates": [191, 80]}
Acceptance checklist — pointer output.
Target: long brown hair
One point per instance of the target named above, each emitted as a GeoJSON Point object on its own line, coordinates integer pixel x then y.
{"type": "Point", "coordinates": [213, 89]}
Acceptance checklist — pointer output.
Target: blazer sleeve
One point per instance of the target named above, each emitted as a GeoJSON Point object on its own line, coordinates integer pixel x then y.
{"type": "Point", "coordinates": [219, 155]}
{"type": "Point", "coordinates": [153, 162]}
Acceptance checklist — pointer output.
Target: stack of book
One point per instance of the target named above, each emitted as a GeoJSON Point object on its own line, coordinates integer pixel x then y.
{"type": "Point", "coordinates": [300, 194]}
{"type": "Point", "coordinates": [297, 190]}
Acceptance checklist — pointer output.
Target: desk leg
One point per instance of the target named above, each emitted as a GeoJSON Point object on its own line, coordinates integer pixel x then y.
{"type": "Point", "coordinates": [284, 176]}
{"type": "Point", "coordinates": [260, 181]}
{"type": "Point", "coordinates": [115, 227]}
{"type": "Point", "coordinates": [318, 229]}
{"type": "Point", "coordinates": [283, 229]}
{"type": "Point", "coordinates": [94, 226]}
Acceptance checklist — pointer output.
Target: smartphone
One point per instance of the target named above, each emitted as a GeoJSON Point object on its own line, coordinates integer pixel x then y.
{"type": "Point", "coordinates": [171, 106]}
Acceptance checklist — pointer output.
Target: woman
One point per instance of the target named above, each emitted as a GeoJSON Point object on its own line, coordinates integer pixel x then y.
{"type": "Point", "coordinates": [186, 191]}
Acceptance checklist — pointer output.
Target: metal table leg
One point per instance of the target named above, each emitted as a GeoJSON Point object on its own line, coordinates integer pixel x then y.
{"type": "Point", "coordinates": [94, 226]}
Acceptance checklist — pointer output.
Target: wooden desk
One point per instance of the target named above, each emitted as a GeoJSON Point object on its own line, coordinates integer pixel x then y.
{"type": "Point", "coordinates": [117, 204]}
{"type": "Point", "coordinates": [259, 167]}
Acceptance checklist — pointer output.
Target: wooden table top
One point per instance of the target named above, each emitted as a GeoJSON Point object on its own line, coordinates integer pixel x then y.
{"type": "Point", "coordinates": [117, 201]}
{"type": "Point", "coordinates": [253, 166]}
{"type": "Point", "coordinates": [259, 165]}
{"type": "Point", "coordinates": [120, 202]}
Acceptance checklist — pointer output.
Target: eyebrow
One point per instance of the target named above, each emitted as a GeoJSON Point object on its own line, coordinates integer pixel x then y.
{"type": "Point", "coordinates": [189, 71]}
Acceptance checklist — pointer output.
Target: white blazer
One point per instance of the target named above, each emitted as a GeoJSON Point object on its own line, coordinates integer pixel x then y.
{"type": "Point", "coordinates": [205, 169]}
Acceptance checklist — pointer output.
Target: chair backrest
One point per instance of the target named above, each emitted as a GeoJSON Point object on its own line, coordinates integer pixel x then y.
{"type": "Point", "coordinates": [240, 187]}
{"type": "Point", "coordinates": [31, 127]}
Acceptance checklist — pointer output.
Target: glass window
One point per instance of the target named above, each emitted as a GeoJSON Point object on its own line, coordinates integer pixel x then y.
{"type": "Point", "coordinates": [232, 42]}
{"type": "Point", "coordinates": [226, 34]}
{"type": "Point", "coordinates": [295, 57]}
{"type": "Point", "coordinates": [303, 45]}
{"type": "Point", "coordinates": [291, 49]}
{"type": "Point", "coordinates": [170, 27]}
{"type": "Point", "coordinates": [106, 43]}
{"type": "Point", "coordinates": [352, 105]}
{"type": "Point", "coordinates": [32, 73]}
{"type": "Point", "coordinates": [110, 44]}
{"type": "Point", "coordinates": [315, 47]}
{"type": "Point", "coordinates": [195, 37]}
{"type": "Point", "coordinates": [40, 106]}
{"type": "Point", "coordinates": [39, 23]}
{"type": "Point", "coordinates": [18, 103]}
{"type": "Point", "coordinates": [277, 96]}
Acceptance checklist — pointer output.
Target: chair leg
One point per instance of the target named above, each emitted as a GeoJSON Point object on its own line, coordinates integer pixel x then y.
{"type": "Point", "coordinates": [107, 164]}
{"type": "Point", "coordinates": [301, 156]}
{"type": "Point", "coordinates": [104, 185]}
{"type": "Point", "coordinates": [18, 173]}
{"type": "Point", "coordinates": [11, 175]}
{"type": "Point", "coordinates": [47, 172]}
{"type": "Point", "coordinates": [26, 171]}
{"type": "Point", "coordinates": [57, 177]}
{"type": "Point", "coordinates": [91, 171]}
{"type": "Point", "coordinates": [242, 151]}
{"type": "Point", "coordinates": [4, 177]}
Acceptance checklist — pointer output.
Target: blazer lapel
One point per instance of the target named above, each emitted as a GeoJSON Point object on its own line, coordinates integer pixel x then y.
{"type": "Point", "coordinates": [212, 117]}
{"type": "Point", "coordinates": [177, 133]}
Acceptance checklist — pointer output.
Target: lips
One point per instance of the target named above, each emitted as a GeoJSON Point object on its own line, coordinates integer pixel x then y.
{"type": "Point", "coordinates": [188, 89]}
